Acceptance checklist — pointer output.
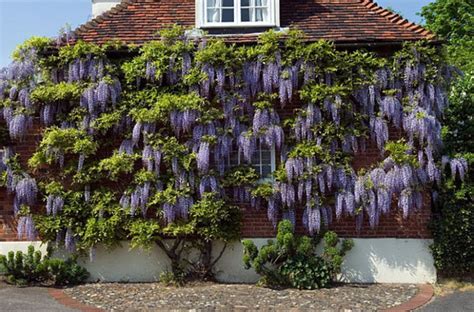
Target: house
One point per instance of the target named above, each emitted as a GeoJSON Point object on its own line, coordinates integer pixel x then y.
{"type": "Point", "coordinates": [397, 250]}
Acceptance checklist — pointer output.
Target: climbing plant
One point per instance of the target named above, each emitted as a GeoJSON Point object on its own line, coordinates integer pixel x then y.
{"type": "Point", "coordinates": [138, 147]}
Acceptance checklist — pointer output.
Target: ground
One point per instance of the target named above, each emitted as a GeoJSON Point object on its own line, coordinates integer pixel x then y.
{"type": "Point", "coordinates": [28, 299]}
{"type": "Point", "coordinates": [213, 297]}
{"type": "Point", "coordinates": [452, 296]}
{"type": "Point", "coordinates": [457, 301]}
{"type": "Point", "coordinates": [225, 297]}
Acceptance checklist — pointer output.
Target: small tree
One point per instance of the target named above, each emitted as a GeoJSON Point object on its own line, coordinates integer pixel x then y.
{"type": "Point", "coordinates": [210, 220]}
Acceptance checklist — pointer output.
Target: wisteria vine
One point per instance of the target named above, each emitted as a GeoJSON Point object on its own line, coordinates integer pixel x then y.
{"type": "Point", "coordinates": [155, 132]}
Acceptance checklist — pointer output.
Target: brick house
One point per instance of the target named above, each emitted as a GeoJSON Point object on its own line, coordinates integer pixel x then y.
{"type": "Point", "coordinates": [395, 251]}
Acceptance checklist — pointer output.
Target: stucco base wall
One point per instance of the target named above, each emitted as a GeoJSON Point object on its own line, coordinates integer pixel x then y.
{"type": "Point", "coordinates": [380, 260]}
{"type": "Point", "coordinates": [6, 247]}
{"type": "Point", "coordinates": [390, 260]}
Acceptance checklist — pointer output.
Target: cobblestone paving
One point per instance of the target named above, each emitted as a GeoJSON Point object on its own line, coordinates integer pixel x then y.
{"type": "Point", "coordinates": [226, 297]}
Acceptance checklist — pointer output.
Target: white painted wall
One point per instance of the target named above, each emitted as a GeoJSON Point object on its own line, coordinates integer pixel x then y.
{"type": "Point", "coordinates": [5, 247]}
{"type": "Point", "coordinates": [380, 260]}
{"type": "Point", "coordinates": [100, 6]}
{"type": "Point", "coordinates": [390, 260]}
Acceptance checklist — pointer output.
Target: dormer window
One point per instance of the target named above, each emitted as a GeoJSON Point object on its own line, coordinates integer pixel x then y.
{"type": "Point", "coordinates": [237, 13]}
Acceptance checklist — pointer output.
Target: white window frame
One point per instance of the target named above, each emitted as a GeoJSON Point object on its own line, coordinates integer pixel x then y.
{"type": "Point", "coordinates": [273, 13]}
{"type": "Point", "coordinates": [241, 161]}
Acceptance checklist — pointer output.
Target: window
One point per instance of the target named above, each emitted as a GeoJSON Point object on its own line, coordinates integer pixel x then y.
{"type": "Point", "coordinates": [220, 11]}
{"type": "Point", "coordinates": [254, 10]}
{"type": "Point", "coordinates": [237, 13]}
{"type": "Point", "coordinates": [263, 161]}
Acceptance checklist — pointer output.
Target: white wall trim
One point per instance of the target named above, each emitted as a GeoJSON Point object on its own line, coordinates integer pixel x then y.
{"type": "Point", "coordinates": [201, 22]}
{"type": "Point", "coordinates": [377, 260]}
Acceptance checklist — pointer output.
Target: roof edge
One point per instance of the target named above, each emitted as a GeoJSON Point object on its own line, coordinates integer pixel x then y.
{"type": "Point", "coordinates": [371, 5]}
{"type": "Point", "coordinates": [398, 19]}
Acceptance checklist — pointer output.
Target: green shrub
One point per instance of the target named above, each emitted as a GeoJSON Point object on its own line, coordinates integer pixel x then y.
{"type": "Point", "coordinates": [291, 260]}
{"type": "Point", "coordinates": [453, 222]}
{"type": "Point", "coordinates": [34, 268]}
{"type": "Point", "coordinates": [306, 272]}
{"type": "Point", "coordinates": [22, 269]}
{"type": "Point", "coordinates": [65, 272]}
{"type": "Point", "coordinates": [169, 278]}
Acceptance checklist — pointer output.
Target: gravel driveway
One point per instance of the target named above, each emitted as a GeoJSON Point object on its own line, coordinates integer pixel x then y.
{"type": "Point", "coordinates": [224, 297]}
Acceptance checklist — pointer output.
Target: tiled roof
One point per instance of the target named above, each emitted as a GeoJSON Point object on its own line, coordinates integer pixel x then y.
{"type": "Point", "coordinates": [342, 21]}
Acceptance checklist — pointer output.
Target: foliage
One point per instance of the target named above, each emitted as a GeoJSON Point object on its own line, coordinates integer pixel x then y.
{"type": "Point", "coordinates": [291, 260]}
{"type": "Point", "coordinates": [117, 164]}
{"type": "Point", "coordinates": [210, 220]}
{"type": "Point", "coordinates": [241, 176]}
{"type": "Point", "coordinates": [400, 152]}
{"type": "Point", "coordinates": [32, 268]}
{"type": "Point", "coordinates": [453, 249]}
{"type": "Point", "coordinates": [40, 44]}
{"type": "Point", "coordinates": [215, 220]}
{"type": "Point", "coordinates": [453, 224]}
{"type": "Point", "coordinates": [172, 279]}
{"type": "Point", "coordinates": [138, 146]}
{"type": "Point", "coordinates": [62, 92]}
{"type": "Point", "coordinates": [65, 272]}
{"type": "Point", "coordinates": [458, 128]}
{"type": "Point", "coordinates": [452, 20]}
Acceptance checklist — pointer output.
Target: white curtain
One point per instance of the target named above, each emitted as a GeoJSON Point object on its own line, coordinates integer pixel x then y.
{"type": "Point", "coordinates": [261, 15]}
{"type": "Point", "coordinates": [213, 11]}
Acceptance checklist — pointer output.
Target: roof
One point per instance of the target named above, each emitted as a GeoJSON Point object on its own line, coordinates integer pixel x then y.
{"type": "Point", "coordinates": [341, 21]}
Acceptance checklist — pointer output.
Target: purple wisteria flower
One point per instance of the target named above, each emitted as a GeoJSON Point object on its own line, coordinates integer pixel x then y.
{"type": "Point", "coordinates": [26, 228]}
{"type": "Point", "coordinates": [314, 220]}
{"type": "Point", "coordinates": [379, 131]}
{"type": "Point", "coordinates": [70, 240]}
{"type": "Point", "coordinates": [247, 145]}
{"type": "Point", "coordinates": [19, 126]}
{"type": "Point", "coordinates": [273, 209]}
{"type": "Point", "coordinates": [26, 191]}
{"type": "Point", "coordinates": [203, 157]}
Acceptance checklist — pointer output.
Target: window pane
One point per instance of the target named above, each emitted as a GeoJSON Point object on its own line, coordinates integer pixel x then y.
{"type": "Point", "coordinates": [261, 3]}
{"type": "Point", "coordinates": [256, 157]}
{"type": "Point", "coordinates": [245, 15]}
{"type": "Point", "coordinates": [266, 157]}
{"type": "Point", "coordinates": [266, 171]}
{"type": "Point", "coordinates": [227, 15]}
{"type": "Point", "coordinates": [260, 15]}
{"type": "Point", "coordinates": [257, 169]}
{"type": "Point", "coordinates": [245, 3]}
{"type": "Point", "coordinates": [211, 3]}
{"type": "Point", "coordinates": [227, 3]}
{"type": "Point", "coordinates": [213, 15]}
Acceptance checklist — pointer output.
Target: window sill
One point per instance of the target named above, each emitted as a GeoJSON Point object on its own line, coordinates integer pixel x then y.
{"type": "Point", "coordinates": [237, 25]}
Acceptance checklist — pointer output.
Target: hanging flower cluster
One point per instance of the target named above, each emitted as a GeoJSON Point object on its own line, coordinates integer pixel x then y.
{"type": "Point", "coordinates": [159, 130]}
{"type": "Point", "coordinates": [23, 187]}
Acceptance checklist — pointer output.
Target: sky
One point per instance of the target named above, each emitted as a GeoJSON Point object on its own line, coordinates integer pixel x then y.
{"type": "Point", "coordinates": [21, 19]}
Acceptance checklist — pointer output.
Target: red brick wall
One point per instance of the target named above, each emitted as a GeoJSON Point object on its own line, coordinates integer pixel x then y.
{"type": "Point", "coordinates": [7, 220]}
{"type": "Point", "coordinates": [255, 222]}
